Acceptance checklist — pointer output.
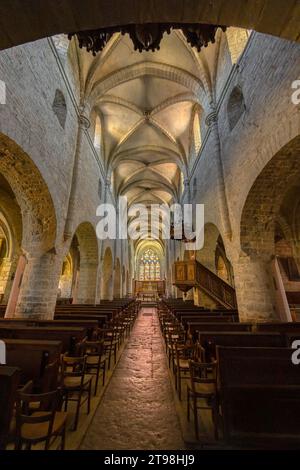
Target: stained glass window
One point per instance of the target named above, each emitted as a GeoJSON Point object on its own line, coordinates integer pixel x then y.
{"type": "Point", "coordinates": [149, 266]}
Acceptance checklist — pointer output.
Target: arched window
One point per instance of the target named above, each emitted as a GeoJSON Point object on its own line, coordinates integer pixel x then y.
{"type": "Point", "coordinates": [97, 136]}
{"type": "Point", "coordinates": [60, 108]}
{"type": "Point", "coordinates": [236, 107]}
{"type": "Point", "coordinates": [149, 266]}
{"type": "Point", "coordinates": [197, 133]}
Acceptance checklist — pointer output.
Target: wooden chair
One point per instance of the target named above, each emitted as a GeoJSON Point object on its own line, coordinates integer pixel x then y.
{"type": "Point", "coordinates": [75, 381]}
{"type": "Point", "coordinates": [203, 386]}
{"type": "Point", "coordinates": [111, 341]}
{"type": "Point", "coordinates": [42, 424]}
{"type": "Point", "coordinates": [171, 340]}
{"type": "Point", "coordinates": [183, 353]}
{"type": "Point", "coordinates": [49, 381]}
{"type": "Point", "coordinates": [95, 360]}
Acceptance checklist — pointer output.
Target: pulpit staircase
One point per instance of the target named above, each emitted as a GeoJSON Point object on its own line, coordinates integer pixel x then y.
{"type": "Point", "coordinates": [189, 274]}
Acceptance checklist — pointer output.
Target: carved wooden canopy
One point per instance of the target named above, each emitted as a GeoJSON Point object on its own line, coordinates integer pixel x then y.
{"type": "Point", "coordinates": [147, 37]}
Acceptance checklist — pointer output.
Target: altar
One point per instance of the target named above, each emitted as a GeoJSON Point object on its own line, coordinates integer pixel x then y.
{"type": "Point", "coordinates": [149, 290]}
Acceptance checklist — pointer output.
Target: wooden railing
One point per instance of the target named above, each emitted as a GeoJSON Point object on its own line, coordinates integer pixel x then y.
{"type": "Point", "coordinates": [215, 286]}
{"type": "Point", "coordinates": [188, 274]}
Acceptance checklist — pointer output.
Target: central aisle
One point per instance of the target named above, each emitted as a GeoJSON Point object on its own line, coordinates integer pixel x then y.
{"type": "Point", "coordinates": [138, 410]}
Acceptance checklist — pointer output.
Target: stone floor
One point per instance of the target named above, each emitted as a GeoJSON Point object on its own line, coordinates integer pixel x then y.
{"type": "Point", "coordinates": [137, 410]}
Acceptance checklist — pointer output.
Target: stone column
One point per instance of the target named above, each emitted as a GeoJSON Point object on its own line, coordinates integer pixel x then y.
{"type": "Point", "coordinates": [39, 284]}
{"type": "Point", "coordinates": [169, 267]}
{"type": "Point", "coordinates": [255, 288]}
{"type": "Point", "coordinates": [83, 125]}
{"type": "Point", "coordinates": [212, 123]}
{"type": "Point", "coordinates": [86, 291]}
{"type": "Point", "coordinates": [100, 279]}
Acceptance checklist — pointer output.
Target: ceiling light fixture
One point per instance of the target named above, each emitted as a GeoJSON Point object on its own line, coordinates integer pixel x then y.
{"type": "Point", "coordinates": [148, 36]}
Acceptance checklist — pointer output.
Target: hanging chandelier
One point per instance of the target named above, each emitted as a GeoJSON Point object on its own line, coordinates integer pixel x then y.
{"type": "Point", "coordinates": [148, 36]}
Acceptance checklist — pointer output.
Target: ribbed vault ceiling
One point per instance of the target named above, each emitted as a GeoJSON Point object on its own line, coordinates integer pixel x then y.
{"type": "Point", "coordinates": [146, 102]}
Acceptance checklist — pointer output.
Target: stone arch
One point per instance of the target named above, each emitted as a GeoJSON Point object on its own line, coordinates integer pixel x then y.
{"type": "Point", "coordinates": [88, 250]}
{"type": "Point", "coordinates": [138, 70]}
{"type": "Point", "coordinates": [264, 199]}
{"type": "Point", "coordinates": [107, 273]}
{"type": "Point", "coordinates": [235, 107]}
{"type": "Point", "coordinates": [207, 255]}
{"type": "Point", "coordinates": [68, 282]}
{"type": "Point", "coordinates": [38, 222]}
{"type": "Point", "coordinates": [117, 280]}
{"type": "Point", "coordinates": [10, 238]}
{"type": "Point", "coordinates": [257, 234]}
{"type": "Point", "coordinates": [158, 249]}
{"type": "Point", "coordinates": [65, 282]}
{"type": "Point", "coordinates": [223, 265]}
{"type": "Point", "coordinates": [38, 213]}
{"type": "Point", "coordinates": [287, 261]}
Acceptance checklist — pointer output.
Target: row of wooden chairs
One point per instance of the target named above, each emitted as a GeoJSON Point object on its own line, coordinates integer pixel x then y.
{"type": "Point", "coordinates": [41, 417]}
{"type": "Point", "coordinates": [186, 360]}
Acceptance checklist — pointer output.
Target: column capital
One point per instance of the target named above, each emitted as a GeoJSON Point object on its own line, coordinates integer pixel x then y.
{"type": "Point", "coordinates": [84, 122]}
{"type": "Point", "coordinates": [211, 118]}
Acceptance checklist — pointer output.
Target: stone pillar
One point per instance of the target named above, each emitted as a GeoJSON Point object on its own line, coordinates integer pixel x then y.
{"type": "Point", "coordinates": [86, 291]}
{"type": "Point", "coordinates": [100, 278]}
{"type": "Point", "coordinates": [169, 269]}
{"type": "Point", "coordinates": [39, 284]}
{"type": "Point", "coordinates": [75, 285]}
{"type": "Point", "coordinates": [255, 288]}
{"type": "Point", "coordinates": [111, 289]}
{"type": "Point", "coordinates": [221, 194]}
{"type": "Point", "coordinates": [83, 125]}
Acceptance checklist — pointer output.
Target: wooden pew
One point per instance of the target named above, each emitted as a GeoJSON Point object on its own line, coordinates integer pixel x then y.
{"type": "Point", "coordinates": [2, 310]}
{"type": "Point", "coordinates": [67, 336]}
{"type": "Point", "coordinates": [227, 316]}
{"type": "Point", "coordinates": [86, 323]}
{"type": "Point", "coordinates": [210, 340]}
{"type": "Point", "coordinates": [9, 381]}
{"type": "Point", "coordinates": [278, 327]}
{"type": "Point", "coordinates": [259, 392]}
{"type": "Point", "coordinates": [100, 319]}
{"type": "Point", "coordinates": [205, 319]}
{"type": "Point", "coordinates": [109, 314]}
{"type": "Point", "coordinates": [291, 330]}
{"type": "Point", "coordinates": [195, 327]}
{"type": "Point", "coordinates": [31, 356]}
